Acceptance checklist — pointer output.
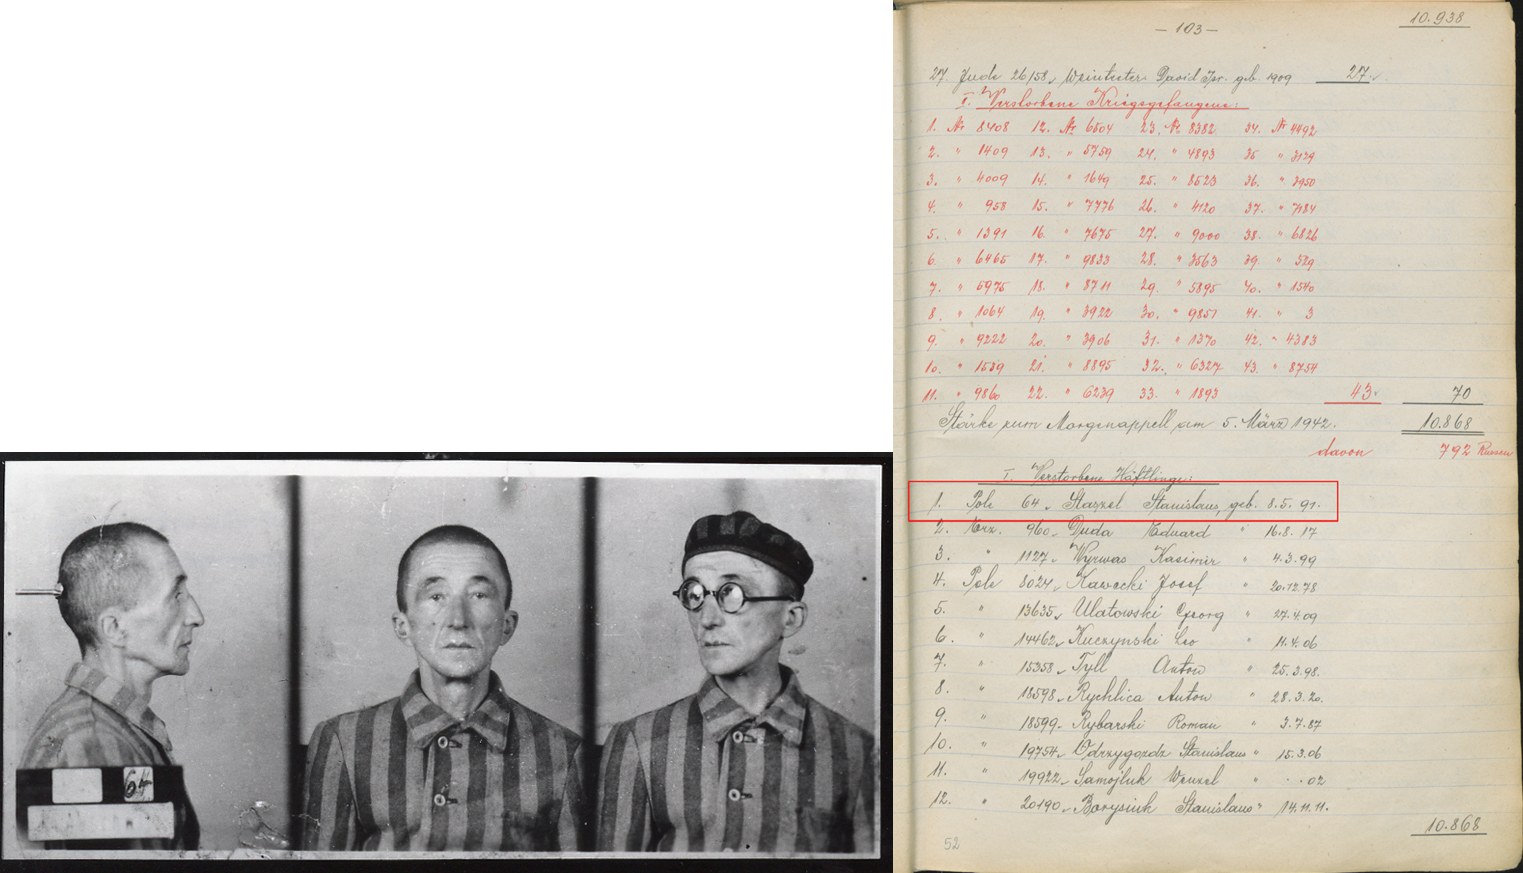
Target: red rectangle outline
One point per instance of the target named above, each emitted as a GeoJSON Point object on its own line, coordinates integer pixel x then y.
{"type": "Point", "coordinates": [1337, 501]}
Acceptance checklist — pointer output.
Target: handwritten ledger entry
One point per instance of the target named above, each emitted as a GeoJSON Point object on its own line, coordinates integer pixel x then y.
{"type": "Point", "coordinates": [1207, 511]}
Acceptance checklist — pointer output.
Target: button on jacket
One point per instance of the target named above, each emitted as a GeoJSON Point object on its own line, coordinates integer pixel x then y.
{"type": "Point", "coordinates": [405, 774]}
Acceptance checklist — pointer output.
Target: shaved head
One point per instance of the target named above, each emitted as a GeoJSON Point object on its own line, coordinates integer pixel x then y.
{"type": "Point", "coordinates": [456, 534]}
{"type": "Point", "coordinates": [102, 568]}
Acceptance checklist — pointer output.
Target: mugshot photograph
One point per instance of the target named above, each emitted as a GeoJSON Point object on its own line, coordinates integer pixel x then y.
{"type": "Point", "coordinates": [319, 659]}
{"type": "Point", "coordinates": [146, 636]}
{"type": "Point", "coordinates": [458, 761]}
{"type": "Point", "coordinates": [770, 609]}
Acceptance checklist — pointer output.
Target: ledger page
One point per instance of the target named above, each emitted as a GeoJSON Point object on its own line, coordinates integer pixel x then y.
{"type": "Point", "coordinates": [903, 821]}
{"type": "Point", "coordinates": [1210, 428]}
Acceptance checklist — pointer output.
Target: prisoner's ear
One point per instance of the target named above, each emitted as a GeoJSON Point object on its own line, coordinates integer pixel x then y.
{"type": "Point", "coordinates": [794, 617]}
{"type": "Point", "coordinates": [400, 625]}
{"type": "Point", "coordinates": [109, 628]}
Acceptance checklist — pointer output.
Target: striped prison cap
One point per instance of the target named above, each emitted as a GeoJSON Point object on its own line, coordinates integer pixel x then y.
{"type": "Point", "coordinates": [745, 533]}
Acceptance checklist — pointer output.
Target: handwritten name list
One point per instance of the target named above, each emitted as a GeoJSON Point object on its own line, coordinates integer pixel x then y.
{"type": "Point", "coordinates": [1209, 437]}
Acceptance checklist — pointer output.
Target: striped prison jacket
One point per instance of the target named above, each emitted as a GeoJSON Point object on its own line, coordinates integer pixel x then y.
{"type": "Point", "coordinates": [98, 722]}
{"type": "Point", "coordinates": [703, 775]}
{"type": "Point", "coordinates": [406, 775]}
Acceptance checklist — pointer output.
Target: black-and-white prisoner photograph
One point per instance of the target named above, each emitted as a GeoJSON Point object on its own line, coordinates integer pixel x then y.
{"type": "Point", "coordinates": [302, 658]}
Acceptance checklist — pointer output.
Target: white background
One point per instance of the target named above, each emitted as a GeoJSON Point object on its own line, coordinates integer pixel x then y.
{"type": "Point", "coordinates": [467, 226]}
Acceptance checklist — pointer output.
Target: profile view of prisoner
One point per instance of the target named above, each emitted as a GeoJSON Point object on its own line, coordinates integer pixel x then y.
{"type": "Point", "coordinates": [750, 763]}
{"type": "Point", "coordinates": [454, 763]}
{"type": "Point", "coordinates": [124, 594]}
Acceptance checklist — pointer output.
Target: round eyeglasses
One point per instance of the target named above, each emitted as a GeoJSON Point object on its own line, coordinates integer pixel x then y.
{"type": "Point", "coordinates": [730, 596]}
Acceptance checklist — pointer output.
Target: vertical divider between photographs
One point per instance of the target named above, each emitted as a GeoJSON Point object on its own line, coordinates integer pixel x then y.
{"type": "Point", "coordinates": [589, 724]}
{"type": "Point", "coordinates": [296, 763]}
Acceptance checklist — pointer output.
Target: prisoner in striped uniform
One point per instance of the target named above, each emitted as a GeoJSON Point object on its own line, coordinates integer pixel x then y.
{"type": "Point", "coordinates": [405, 774]}
{"type": "Point", "coordinates": [123, 593]}
{"type": "Point", "coordinates": [750, 763]}
{"type": "Point", "coordinates": [454, 763]}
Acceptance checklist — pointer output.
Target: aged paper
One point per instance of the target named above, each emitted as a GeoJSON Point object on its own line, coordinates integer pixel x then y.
{"type": "Point", "coordinates": [903, 822]}
{"type": "Point", "coordinates": [1207, 411]}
